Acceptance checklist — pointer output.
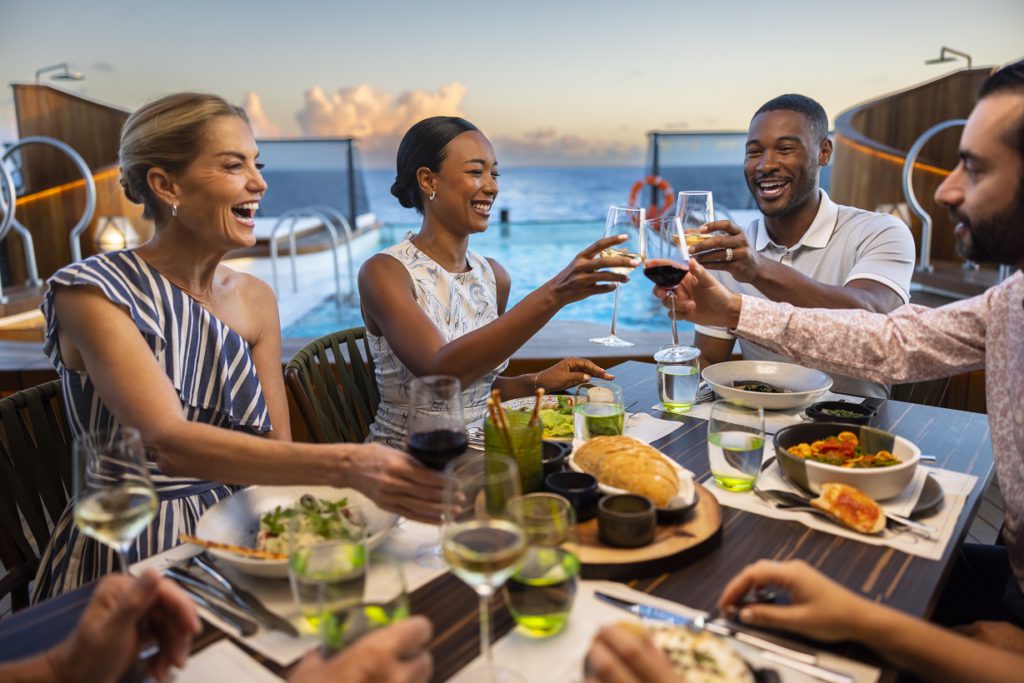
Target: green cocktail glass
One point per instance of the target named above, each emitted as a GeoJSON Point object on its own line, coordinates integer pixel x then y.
{"type": "Point", "coordinates": [527, 447]}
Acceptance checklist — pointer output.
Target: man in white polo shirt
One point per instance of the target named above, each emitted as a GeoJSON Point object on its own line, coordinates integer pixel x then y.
{"type": "Point", "coordinates": [805, 249]}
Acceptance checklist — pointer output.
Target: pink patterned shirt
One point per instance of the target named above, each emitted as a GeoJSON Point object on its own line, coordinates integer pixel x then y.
{"type": "Point", "coordinates": [915, 343]}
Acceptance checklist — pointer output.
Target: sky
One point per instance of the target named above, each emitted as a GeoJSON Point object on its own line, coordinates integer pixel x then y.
{"type": "Point", "coordinates": [551, 83]}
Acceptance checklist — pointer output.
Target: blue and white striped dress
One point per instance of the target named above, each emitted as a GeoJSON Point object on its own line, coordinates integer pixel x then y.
{"type": "Point", "coordinates": [212, 370]}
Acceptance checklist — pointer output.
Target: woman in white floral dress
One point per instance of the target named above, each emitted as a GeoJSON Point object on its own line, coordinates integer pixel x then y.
{"type": "Point", "coordinates": [432, 307]}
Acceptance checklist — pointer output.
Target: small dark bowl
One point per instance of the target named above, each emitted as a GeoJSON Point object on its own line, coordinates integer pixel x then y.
{"type": "Point", "coordinates": [816, 411]}
{"type": "Point", "coordinates": [626, 520]}
{"type": "Point", "coordinates": [579, 488]}
{"type": "Point", "coordinates": [554, 455]}
{"type": "Point", "coordinates": [676, 515]}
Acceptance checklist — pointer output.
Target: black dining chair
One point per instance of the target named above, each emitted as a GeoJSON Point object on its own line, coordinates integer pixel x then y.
{"type": "Point", "coordinates": [35, 481]}
{"type": "Point", "coordinates": [333, 382]}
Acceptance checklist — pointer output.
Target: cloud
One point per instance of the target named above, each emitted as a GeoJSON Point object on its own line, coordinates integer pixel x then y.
{"type": "Point", "coordinates": [262, 126]}
{"type": "Point", "coordinates": [104, 67]}
{"type": "Point", "coordinates": [549, 147]}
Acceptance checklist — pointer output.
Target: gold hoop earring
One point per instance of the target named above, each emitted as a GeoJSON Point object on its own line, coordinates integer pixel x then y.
{"type": "Point", "coordinates": [432, 195]}
{"type": "Point", "coordinates": [174, 209]}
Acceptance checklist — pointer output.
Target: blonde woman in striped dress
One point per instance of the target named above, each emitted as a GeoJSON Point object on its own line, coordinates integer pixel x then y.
{"type": "Point", "coordinates": [167, 340]}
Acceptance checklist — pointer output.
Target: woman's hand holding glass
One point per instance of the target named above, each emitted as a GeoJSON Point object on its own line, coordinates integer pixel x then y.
{"type": "Point", "coordinates": [590, 273]}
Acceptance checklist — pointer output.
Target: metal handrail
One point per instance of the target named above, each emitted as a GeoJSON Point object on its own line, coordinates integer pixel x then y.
{"type": "Point", "coordinates": [87, 214]}
{"type": "Point", "coordinates": [924, 260]}
{"type": "Point", "coordinates": [347, 227]}
{"type": "Point", "coordinates": [8, 209]}
{"type": "Point", "coordinates": [292, 216]}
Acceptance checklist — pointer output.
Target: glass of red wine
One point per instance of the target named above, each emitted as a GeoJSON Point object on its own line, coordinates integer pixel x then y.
{"type": "Point", "coordinates": [663, 266]}
{"type": "Point", "coordinates": [435, 435]}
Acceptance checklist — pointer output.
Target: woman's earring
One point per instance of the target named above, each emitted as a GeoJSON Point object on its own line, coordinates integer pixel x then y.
{"type": "Point", "coordinates": [432, 195]}
{"type": "Point", "coordinates": [174, 209]}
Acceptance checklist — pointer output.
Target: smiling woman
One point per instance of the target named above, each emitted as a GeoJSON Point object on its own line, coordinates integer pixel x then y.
{"type": "Point", "coordinates": [170, 341]}
{"type": "Point", "coordinates": [432, 307]}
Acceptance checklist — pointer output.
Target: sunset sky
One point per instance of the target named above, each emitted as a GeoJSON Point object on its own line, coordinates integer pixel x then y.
{"type": "Point", "coordinates": [550, 83]}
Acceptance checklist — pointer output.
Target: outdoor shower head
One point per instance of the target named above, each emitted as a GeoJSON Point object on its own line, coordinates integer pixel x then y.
{"type": "Point", "coordinates": [64, 75]}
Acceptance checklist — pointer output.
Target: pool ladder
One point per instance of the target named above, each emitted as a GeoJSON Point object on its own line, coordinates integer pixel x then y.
{"type": "Point", "coordinates": [328, 216]}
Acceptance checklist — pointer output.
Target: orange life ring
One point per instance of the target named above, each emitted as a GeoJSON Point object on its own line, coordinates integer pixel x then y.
{"type": "Point", "coordinates": [653, 211]}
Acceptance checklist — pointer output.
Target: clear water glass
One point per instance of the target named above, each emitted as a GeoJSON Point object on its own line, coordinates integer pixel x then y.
{"type": "Point", "coordinates": [541, 593]}
{"type": "Point", "coordinates": [327, 576]}
{"type": "Point", "coordinates": [384, 601]}
{"type": "Point", "coordinates": [678, 377]}
{"type": "Point", "coordinates": [114, 497]}
{"type": "Point", "coordinates": [735, 444]}
{"type": "Point", "coordinates": [622, 221]}
{"type": "Point", "coordinates": [598, 410]}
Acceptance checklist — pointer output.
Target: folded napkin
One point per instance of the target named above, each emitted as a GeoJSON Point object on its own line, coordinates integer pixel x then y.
{"type": "Point", "coordinates": [955, 485]}
{"type": "Point", "coordinates": [224, 661]}
{"type": "Point", "coordinates": [647, 428]}
{"type": "Point", "coordinates": [559, 659]}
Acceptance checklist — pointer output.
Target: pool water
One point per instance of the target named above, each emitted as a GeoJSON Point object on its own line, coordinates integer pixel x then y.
{"type": "Point", "coordinates": [532, 253]}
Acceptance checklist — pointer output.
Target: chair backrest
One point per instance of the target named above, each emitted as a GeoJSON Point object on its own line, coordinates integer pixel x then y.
{"type": "Point", "coordinates": [35, 481]}
{"type": "Point", "coordinates": [334, 384]}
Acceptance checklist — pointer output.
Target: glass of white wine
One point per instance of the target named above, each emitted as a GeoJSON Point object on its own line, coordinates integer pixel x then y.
{"type": "Point", "coordinates": [483, 538]}
{"type": "Point", "coordinates": [114, 497]}
{"type": "Point", "coordinates": [694, 208]}
{"type": "Point", "coordinates": [629, 222]}
{"type": "Point", "coordinates": [735, 444]}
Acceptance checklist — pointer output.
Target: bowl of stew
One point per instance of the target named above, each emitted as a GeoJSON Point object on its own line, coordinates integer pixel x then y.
{"type": "Point", "coordinates": [877, 462]}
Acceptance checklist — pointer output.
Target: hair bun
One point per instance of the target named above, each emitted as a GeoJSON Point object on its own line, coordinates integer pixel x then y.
{"type": "Point", "coordinates": [402, 195]}
{"type": "Point", "coordinates": [126, 187]}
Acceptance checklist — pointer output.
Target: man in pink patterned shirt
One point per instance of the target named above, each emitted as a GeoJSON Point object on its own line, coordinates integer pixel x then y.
{"type": "Point", "coordinates": [985, 197]}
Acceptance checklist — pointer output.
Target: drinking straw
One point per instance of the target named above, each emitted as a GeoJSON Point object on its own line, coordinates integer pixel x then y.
{"type": "Point", "coordinates": [500, 420]}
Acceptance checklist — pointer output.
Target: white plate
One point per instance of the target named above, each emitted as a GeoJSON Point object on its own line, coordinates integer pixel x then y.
{"type": "Point", "coordinates": [236, 520]}
{"type": "Point", "coordinates": [803, 385]}
{"type": "Point", "coordinates": [684, 498]}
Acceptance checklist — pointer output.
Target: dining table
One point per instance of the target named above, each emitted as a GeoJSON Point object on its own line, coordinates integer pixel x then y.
{"type": "Point", "coordinates": [958, 440]}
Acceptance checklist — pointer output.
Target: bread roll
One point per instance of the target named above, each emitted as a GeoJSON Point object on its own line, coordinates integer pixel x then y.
{"type": "Point", "coordinates": [625, 463]}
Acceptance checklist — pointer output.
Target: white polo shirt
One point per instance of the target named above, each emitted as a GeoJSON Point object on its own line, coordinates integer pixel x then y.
{"type": "Point", "coordinates": [843, 244]}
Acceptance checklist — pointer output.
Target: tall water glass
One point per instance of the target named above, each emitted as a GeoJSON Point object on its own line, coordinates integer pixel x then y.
{"type": "Point", "coordinates": [114, 497]}
{"type": "Point", "coordinates": [678, 377]}
{"type": "Point", "coordinates": [327, 576]}
{"type": "Point", "coordinates": [384, 601]}
{"type": "Point", "coordinates": [483, 537]}
{"type": "Point", "coordinates": [735, 444]}
{"type": "Point", "coordinates": [436, 435]}
{"type": "Point", "coordinates": [540, 594]}
{"type": "Point", "coordinates": [629, 222]}
{"type": "Point", "coordinates": [663, 267]}
{"type": "Point", "coordinates": [694, 208]}
{"type": "Point", "coordinates": [598, 410]}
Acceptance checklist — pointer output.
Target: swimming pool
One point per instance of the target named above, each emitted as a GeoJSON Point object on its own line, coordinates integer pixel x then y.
{"type": "Point", "coordinates": [532, 253]}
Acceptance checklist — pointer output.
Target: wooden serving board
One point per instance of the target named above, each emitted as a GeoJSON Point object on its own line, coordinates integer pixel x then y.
{"type": "Point", "coordinates": [672, 544]}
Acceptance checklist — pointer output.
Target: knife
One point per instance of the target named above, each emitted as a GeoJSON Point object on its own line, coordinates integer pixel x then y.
{"type": "Point", "coordinates": [246, 600]}
{"type": "Point", "coordinates": [243, 625]}
{"type": "Point", "coordinates": [794, 659]}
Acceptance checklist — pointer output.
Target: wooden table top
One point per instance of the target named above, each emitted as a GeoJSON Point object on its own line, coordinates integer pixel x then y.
{"type": "Point", "coordinates": [959, 440]}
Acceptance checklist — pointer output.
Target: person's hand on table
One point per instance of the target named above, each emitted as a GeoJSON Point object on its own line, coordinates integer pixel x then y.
{"type": "Point", "coordinates": [396, 654]}
{"type": "Point", "coordinates": [569, 372]}
{"type": "Point", "coordinates": [1001, 634]}
{"type": "Point", "coordinates": [124, 614]}
{"type": "Point", "coordinates": [713, 253]}
{"type": "Point", "coordinates": [820, 609]}
{"type": "Point", "coordinates": [397, 482]}
{"type": "Point", "coordinates": [585, 275]}
{"type": "Point", "coordinates": [702, 299]}
{"type": "Point", "coordinates": [623, 653]}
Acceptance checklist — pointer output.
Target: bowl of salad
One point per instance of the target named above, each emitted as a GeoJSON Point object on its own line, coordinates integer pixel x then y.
{"type": "Point", "coordinates": [876, 462]}
{"type": "Point", "coordinates": [253, 525]}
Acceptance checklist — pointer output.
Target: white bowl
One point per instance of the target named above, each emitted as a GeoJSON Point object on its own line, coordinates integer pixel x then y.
{"type": "Point", "coordinates": [881, 483]}
{"type": "Point", "coordinates": [803, 385]}
{"type": "Point", "coordinates": [236, 520]}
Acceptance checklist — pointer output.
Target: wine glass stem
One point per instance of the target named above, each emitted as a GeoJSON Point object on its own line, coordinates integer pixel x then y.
{"type": "Point", "coordinates": [675, 332]}
{"type": "Point", "coordinates": [485, 629]}
{"type": "Point", "coordinates": [123, 559]}
{"type": "Point", "coordinates": [615, 309]}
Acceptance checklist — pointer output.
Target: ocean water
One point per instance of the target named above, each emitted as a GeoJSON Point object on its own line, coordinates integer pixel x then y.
{"type": "Point", "coordinates": [554, 213]}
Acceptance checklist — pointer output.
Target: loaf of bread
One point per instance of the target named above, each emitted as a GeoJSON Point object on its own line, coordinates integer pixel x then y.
{"type": "Point", "coordinates": [631, 465]}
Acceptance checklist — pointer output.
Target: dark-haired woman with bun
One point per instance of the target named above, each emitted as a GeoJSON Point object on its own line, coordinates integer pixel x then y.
{"type": "Point", "coordinates": [166, 339]}
{"type": "Point", "coordinates": [433, 307]}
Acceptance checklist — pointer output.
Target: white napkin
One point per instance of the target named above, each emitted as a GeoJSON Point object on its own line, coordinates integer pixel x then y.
{"type": "Point", "coordinates": [955, 485]}
{"type": "Point", "coordinates": [224, 661]}
{"type": "Point", "coordinates": [559, 659]}
{"type": "Point", "coordinates": [647, 428]}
